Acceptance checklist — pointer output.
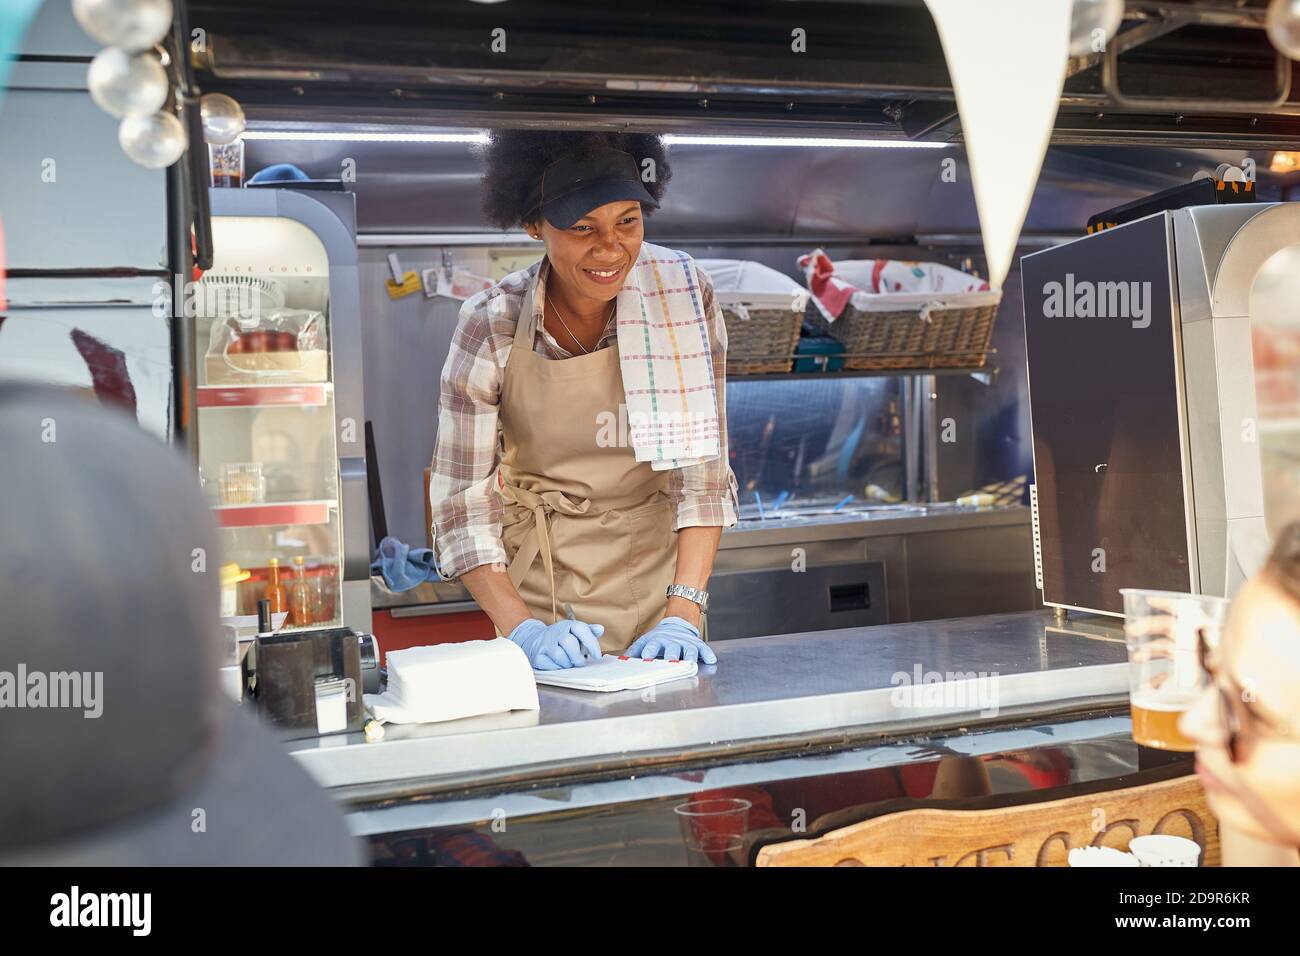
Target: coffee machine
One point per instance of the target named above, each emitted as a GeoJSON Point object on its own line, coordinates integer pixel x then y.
{"type": "Point", "coordinates": [1142, 390]}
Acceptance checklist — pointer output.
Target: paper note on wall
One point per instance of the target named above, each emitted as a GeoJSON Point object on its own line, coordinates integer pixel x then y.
{"type": "Point", "coordinates": [502, 262]}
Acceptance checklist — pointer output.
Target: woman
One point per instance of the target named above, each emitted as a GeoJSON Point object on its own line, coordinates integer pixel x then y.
{"type": "Point", "coordinates": [1247, 724]}
{"type": "Point", "coordinates": [580, 481]}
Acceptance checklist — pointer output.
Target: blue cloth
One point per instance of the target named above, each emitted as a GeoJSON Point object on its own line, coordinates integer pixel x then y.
{"type": "Point", "coordinates": [279, 173]}
{"type": "Point", "coordinates": [402, 566]}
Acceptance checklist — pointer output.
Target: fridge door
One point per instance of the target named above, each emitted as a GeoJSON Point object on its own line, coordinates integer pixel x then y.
{"type": "Point", "coordinates": [279, 405]}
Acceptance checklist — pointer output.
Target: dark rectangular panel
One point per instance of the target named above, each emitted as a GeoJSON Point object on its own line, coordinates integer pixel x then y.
{"type": "Point", "coordinates": [758, 603]}
{"type": "Point", "coordinates": [1104, 404]}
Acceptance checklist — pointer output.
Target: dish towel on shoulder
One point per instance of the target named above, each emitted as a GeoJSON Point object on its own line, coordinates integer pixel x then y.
{"type": "Point", "coordinates": [667, 365]}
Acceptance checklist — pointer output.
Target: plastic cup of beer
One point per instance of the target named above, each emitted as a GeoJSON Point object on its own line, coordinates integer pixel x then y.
{"type": "Point", "coordinates": [1163, 632]}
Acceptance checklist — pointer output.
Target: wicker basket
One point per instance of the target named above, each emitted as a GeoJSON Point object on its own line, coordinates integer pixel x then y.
{"type": "Point", "coordinates": [762, 330]}
{"type": "Point", "coordinates": [910, 330]}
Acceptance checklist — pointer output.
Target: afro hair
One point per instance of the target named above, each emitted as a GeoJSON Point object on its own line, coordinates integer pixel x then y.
{"type": "Point", "coordinates": [514, 160]}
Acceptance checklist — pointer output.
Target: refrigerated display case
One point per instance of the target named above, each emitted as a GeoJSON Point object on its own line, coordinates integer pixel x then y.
{"type": "Point", "coordinates": [279, 404]}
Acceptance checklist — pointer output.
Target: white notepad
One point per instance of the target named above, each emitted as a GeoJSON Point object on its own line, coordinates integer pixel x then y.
{"type": "Point", "coordinates": [612, 673]}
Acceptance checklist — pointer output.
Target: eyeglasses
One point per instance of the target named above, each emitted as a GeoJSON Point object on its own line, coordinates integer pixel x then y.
{"type": "Point", "coordinates": [1233, 709]}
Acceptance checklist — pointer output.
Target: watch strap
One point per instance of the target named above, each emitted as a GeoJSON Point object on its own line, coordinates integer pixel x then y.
{"type": "Point", "coordinates": [696, 595]}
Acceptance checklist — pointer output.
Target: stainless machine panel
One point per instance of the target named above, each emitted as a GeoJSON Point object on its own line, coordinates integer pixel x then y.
{"type": "Point", "coordinates": [755, 603]}
{"type": "Point", "coordinates": [1221, 250]}
{"type": "Point", "coordinates": [1146, 426]}
{"type": "Point", "coordinates": [1108, 423]}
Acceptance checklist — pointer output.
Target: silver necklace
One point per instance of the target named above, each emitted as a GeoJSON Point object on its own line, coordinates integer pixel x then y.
{"type": "Point", "coordinates": [565, 326]}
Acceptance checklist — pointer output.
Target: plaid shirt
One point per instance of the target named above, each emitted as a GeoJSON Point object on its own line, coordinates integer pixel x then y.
{"type": "Point", "coordinates": [467, 508]}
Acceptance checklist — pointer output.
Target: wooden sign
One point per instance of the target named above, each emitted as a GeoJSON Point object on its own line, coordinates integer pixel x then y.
{"type": "Point", "coordinates": [1038, 834]}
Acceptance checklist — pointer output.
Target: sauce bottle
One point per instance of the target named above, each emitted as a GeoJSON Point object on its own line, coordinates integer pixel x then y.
{"type": "Point", "coordinates": [300, 594]}
{"type": "Point", "coordinates": [274, 589]}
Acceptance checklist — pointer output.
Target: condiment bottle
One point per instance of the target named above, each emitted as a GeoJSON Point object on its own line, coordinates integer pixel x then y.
{"type": "Point", "coordinates": [300, 594]}
{"type": "Point", "coordinates": [274, 589]}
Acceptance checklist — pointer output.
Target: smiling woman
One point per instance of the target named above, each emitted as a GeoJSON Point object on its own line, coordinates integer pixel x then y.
{"type": "Point", "coordinates": [620, 534]}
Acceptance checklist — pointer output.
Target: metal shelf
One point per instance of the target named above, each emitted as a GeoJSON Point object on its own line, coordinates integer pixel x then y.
{"type": "Point", "coordinates": [990, 371]}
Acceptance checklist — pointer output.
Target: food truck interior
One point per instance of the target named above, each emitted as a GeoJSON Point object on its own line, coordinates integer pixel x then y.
{"type": "Point", "coordinates": [904, 492]}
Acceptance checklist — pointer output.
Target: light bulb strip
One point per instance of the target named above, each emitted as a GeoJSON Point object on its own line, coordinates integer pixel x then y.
{"type": "Point", "coordinates": [673, 139]}
{"type": "Point", "coordinates": [670, 139]}
{"type": "Point", "coordinates": [362, 137]}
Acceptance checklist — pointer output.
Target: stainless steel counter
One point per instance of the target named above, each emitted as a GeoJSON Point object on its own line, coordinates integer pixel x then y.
{"type": "Point", "coordinates": [764, 692]}
{"type": "Point", "coordinates": [847, 535]}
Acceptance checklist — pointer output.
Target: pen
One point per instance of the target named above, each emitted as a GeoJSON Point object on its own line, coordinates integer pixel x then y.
{"type": "Point", "coordinates": [568, 610]}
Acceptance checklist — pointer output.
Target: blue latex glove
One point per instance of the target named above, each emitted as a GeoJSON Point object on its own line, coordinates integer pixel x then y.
{"type": "Point", "coordinates": [673, 639]}
{"type": "Point", "coordinates": [557, 646]}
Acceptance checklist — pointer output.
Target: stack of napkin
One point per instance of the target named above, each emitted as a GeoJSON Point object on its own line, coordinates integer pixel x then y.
{"type": "Point", "coordinates": [451, 681]}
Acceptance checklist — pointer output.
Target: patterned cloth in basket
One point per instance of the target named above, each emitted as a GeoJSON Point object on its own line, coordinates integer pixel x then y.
{"type": "Point", "coordinates": [834, 284]}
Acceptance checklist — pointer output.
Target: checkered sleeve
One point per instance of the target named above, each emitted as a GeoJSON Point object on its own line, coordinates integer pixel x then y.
{"type": "Point", "coordinates": [466, 506]}
{"type": "Point", "coordinates": [706, 494]}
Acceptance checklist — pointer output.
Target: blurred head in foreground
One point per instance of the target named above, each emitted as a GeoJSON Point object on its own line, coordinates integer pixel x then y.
{"type": "Point", "coordinates": [119, 746]}
{"type": "Point", "coordinates": [1247, 723]}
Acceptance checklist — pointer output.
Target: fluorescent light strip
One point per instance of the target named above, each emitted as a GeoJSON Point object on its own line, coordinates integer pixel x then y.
{"type": "Point", "coordinates": [325, 136]}
{"type": "Point", "coordinates": [673, 139]}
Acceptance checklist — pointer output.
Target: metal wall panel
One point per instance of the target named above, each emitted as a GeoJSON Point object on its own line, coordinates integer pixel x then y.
{"type": "Point", "coordinates": [68, 195]}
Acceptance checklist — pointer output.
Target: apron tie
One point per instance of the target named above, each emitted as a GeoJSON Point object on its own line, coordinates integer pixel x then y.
{"type": "Point", "coordinates": [538, 538]}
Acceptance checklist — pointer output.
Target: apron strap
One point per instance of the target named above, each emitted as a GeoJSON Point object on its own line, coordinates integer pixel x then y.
{"type": "Point", "coordinates": [525, 330]}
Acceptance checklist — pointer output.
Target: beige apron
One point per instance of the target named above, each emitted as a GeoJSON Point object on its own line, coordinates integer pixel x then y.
{"type": "Point", "coordinates": [585, 523]}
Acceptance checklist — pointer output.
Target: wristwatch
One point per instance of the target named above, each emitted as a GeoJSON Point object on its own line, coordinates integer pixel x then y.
{"type": "Point", "coordinates": [691, 594]}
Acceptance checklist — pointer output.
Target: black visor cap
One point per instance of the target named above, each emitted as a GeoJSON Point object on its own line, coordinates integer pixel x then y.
{"type": "Point", "coordinates": [573, 186]}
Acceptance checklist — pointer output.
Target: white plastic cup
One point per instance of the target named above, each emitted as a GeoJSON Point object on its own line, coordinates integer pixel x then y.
{"type": "Point", "coordinates": [1159, 849]}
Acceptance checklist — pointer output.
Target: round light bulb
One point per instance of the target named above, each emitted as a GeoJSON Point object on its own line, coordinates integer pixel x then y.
{"type": "Point", "coordinates": [1282, 22]}
{"type": "Point", "coordinates": [223, 118]}
{"type": "Point", "coordinates": [154, 141]}
{"type": "Point", "coordinates": [123, 84]}
{"type": "Point", "coordinates": [1093, 24]}
{"type": "Point", "coordinates": [130, 25]}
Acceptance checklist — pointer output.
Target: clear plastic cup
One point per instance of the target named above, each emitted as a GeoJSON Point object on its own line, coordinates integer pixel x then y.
{"type": "Point", "coordinates": [1163, 632]}
{"type": "Point", "coordinates": [713, 829]}
{"type": "Point", "coordinates": [226, 163]}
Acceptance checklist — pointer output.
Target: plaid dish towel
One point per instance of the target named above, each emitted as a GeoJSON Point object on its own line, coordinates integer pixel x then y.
{"type": "Point", "coordinates": [663, 343]}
